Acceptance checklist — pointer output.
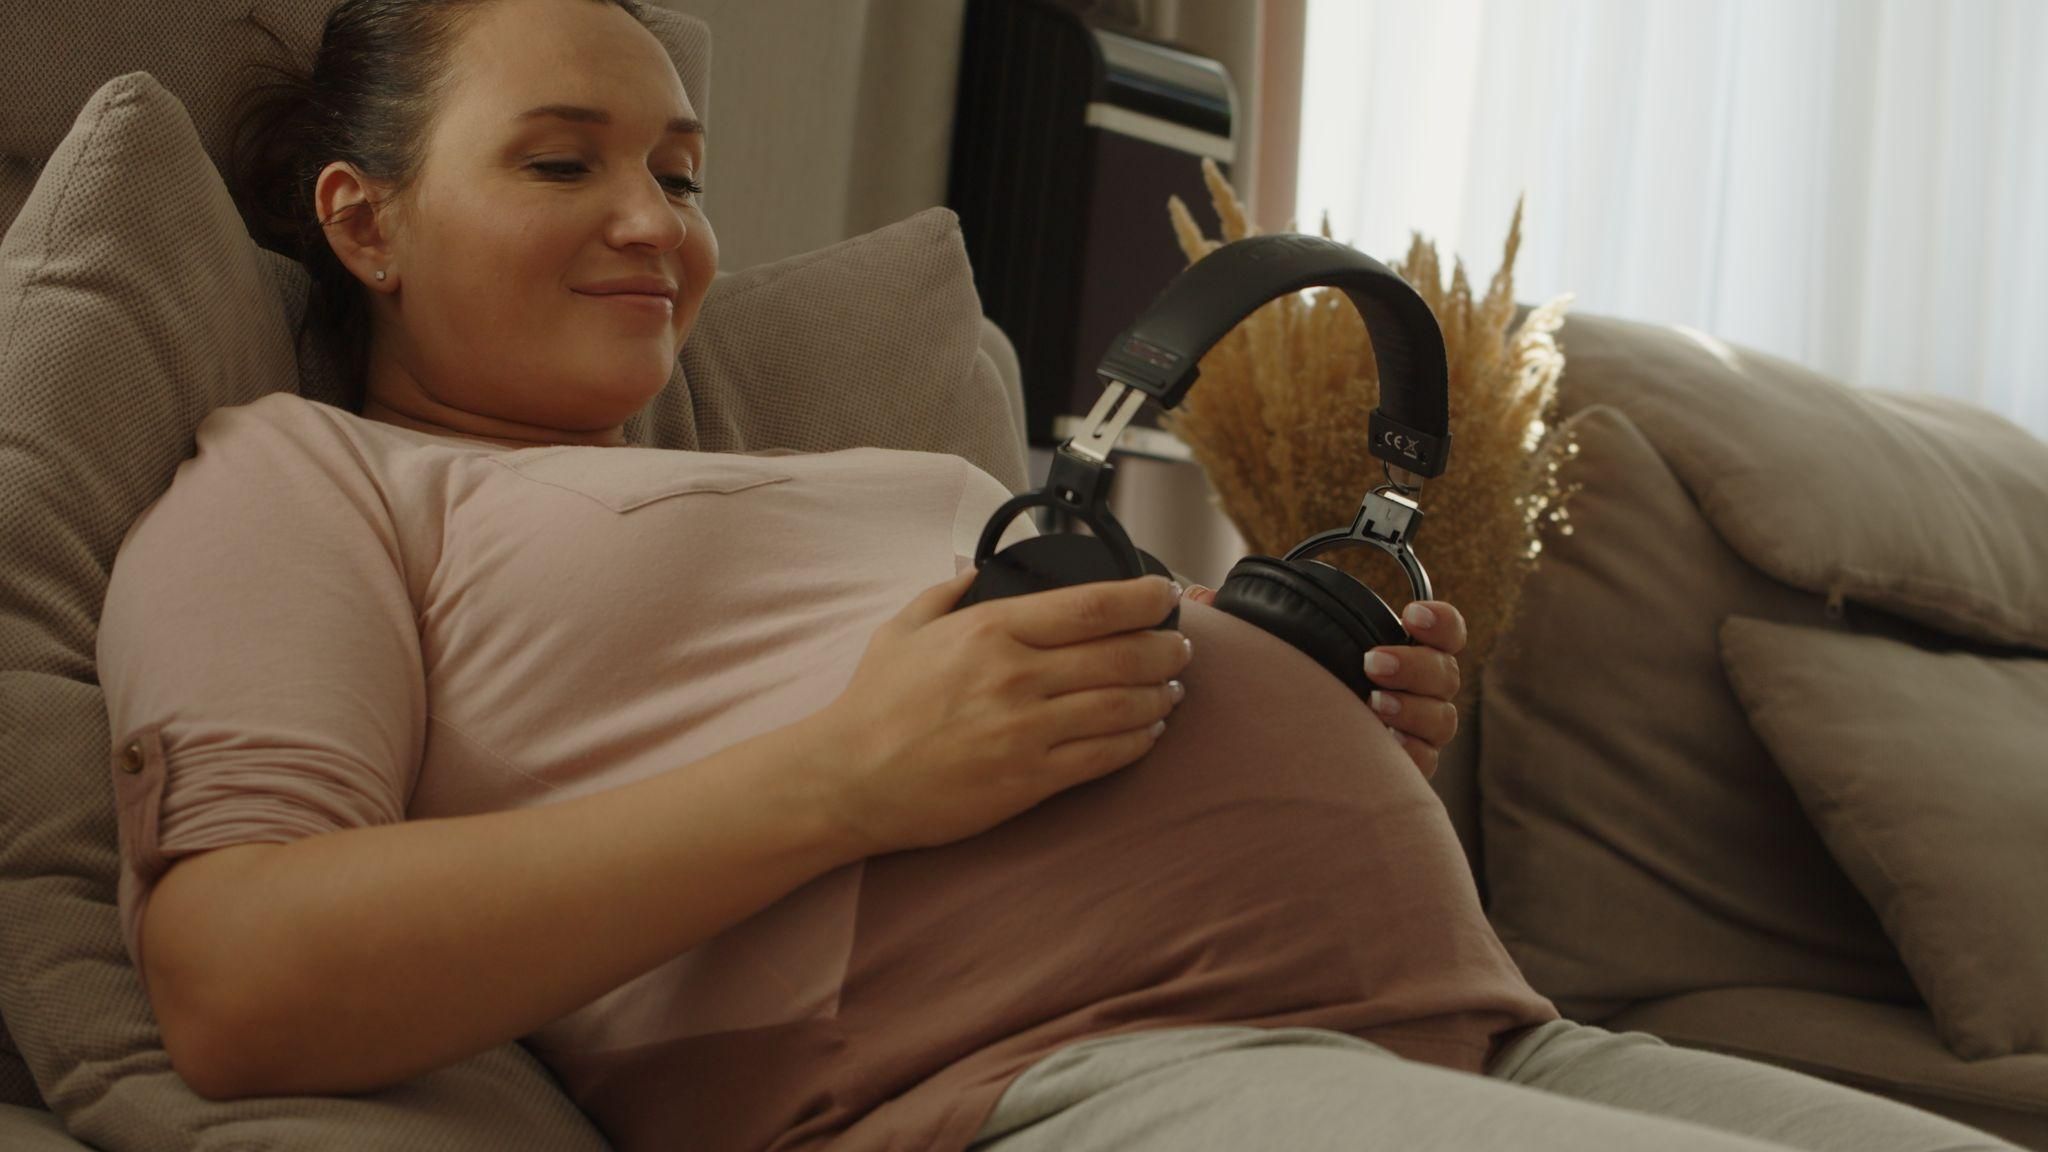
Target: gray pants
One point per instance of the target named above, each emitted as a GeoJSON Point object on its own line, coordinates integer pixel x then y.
{"type": "Point", "coordinates": [1563, 1085]}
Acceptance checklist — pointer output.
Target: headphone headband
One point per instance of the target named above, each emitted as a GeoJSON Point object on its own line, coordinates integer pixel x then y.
{"type": "Point", "coordinates": [1160, 352]}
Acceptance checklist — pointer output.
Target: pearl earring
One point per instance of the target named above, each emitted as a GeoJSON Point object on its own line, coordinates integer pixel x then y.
{"type": "Point", "coordinates": [380, 273]}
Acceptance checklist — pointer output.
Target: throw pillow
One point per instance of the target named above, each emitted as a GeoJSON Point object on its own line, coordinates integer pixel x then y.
{"type": "Point", "coordinates": [875, 340]}
{"type": "Point", "coordinates": [1905, 502]}
{"type": "Point", "coordinates": [17, 1087]}
{"type": "Point", "coordinates": [1925, 773]}
{"type": "Point", "coordinates": [131, 308]}
{"type": "Point", "coordinates": [1639, 842]}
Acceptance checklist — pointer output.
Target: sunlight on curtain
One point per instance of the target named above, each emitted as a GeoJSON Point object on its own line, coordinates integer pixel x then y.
{"type": "Point", "coordinates": [1857, 185]}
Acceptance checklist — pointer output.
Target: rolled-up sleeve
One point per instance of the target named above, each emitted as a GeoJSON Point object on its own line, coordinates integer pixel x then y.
{"type": "Point", "coordinates": [260, 655]}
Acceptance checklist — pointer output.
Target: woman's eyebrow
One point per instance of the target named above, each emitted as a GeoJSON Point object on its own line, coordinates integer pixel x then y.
{"type": "Point", "coordinates": [576, 113]}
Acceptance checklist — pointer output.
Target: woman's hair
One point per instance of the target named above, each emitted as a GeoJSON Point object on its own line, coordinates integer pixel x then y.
{"type": "Point", "coordinates": [369, 100]}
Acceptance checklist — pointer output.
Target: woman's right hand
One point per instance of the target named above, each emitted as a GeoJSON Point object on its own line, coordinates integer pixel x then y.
{"type": "Point", "coordinates": [955, 721]}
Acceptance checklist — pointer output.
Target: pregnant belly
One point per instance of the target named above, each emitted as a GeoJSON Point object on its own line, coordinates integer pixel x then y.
{"type": "Point", "coordinates": [1276, 848]}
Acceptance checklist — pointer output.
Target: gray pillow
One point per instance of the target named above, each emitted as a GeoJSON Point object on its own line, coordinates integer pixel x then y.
{"type": "Point", "coordinates": [1907, 502]}
{"type": "Point", "coordinates": [873, 341]}
{"type": "Point", "coordinates": [16, 1085]}
{"type": "Point", "coordinates": [1924, 770]}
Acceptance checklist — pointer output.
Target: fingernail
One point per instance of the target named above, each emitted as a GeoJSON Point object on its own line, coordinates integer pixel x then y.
{"type": "Point", "coordinates": [1384, 704]}
{"type": "Point", "coordinates": [1381, 664]}
{"type": "Point", "coordinates": [1176, 588]}
{"type": "Point", "coordinates": [1197, 588]}
{"type": "Point", "coordinates": [1418, 616]}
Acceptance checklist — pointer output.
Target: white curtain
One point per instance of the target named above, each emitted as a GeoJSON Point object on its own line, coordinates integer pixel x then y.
{"type": "Point", "coordinates": [1857, 185]}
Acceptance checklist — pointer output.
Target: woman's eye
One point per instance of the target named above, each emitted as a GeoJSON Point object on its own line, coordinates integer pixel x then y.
{"type": "Point", "coordinates": [685, 184]}
{"type": "Point", "coordinates": [563, 168]}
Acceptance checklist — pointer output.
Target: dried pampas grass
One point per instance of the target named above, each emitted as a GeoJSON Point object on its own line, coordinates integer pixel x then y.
{"type": "Point", "coordinates": [1278, 421]}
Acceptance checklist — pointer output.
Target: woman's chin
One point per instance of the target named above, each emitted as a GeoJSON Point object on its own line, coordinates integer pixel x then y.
{"type": "Point", "coordinates": [643, 374]}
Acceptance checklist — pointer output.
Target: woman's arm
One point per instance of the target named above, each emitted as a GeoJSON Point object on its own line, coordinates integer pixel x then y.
{"type": "Point", "coordinates": [354, 960]}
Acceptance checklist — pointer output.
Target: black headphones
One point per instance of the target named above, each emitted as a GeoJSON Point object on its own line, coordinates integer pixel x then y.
{"type": "Point", "coordinates": [1320, 609]}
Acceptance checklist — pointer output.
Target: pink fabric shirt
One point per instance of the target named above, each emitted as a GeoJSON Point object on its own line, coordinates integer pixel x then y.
{"type": "Point", "coordinates": [329, 622]}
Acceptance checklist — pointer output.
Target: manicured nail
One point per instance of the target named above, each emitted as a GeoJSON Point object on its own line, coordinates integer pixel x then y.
{"type": "Point", "coordinates": [1418, 616]}
{"type": "Point", "coordinates": [1384, 704]}
{"type": "Point", "coordinates": [1381, 664]}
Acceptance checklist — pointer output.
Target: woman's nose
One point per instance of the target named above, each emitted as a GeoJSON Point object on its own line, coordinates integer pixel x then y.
{"type": "Point", "coordinates": [647, 215]}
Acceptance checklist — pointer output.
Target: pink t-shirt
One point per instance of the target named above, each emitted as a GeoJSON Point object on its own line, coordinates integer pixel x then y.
{"type": "Point", "coordinates": [329, 622]}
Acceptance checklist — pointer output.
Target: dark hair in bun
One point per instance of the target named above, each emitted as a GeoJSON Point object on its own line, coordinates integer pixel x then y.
{"type": "Point", "coordinates": [369, 100]}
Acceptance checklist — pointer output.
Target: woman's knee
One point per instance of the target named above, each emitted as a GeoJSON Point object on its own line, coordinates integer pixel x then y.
{"type": "Point", "coordinates": [1643, 1073]}
{"type": "Point", "coordinates": [1324, 1098]}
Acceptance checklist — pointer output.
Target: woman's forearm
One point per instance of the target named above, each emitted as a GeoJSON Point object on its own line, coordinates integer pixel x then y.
{"type": "Point", "coordinates": [350, 961]}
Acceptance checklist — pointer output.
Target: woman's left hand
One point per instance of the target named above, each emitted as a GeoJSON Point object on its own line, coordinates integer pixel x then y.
{"type": "Point", "coordinates": [1416, 696]}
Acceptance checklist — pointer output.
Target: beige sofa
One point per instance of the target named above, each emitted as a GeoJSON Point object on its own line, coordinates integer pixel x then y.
{"type": "Point", "coordinates": [1650, 868]}
{"type": "Point", "coordinates": [1687, 779]}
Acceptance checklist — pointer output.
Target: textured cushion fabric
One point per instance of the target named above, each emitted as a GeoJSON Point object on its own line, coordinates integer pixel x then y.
{"type": "Point", "coordinates": [1920, 505]}
{"type": "Point", "coordinates": [121, 335]}
{"type": "Point", "coordinates": [1927, 774]}
{"type": "Point", "coordinates": [56, 54]}
{"type": "Point", "coordinates": [1639, 840]}
{"type": "Point", "coordinates": [874, 341]}
{"type": "Point", "coordinates": [1888, 1049]}
{"type": "Point", "coordinates": [16, 1085]}
{"type": "Point", "coordinates": [17, 176]}
{"type": "Point", "coordinates": [34, 1130]}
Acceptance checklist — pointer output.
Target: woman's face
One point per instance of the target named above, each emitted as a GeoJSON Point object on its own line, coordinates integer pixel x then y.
{"type": "Point", "coordinates": [558, 163]}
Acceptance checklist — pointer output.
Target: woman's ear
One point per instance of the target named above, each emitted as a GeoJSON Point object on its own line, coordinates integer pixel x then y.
{"type": "Point", "coordinates": [357, 231]}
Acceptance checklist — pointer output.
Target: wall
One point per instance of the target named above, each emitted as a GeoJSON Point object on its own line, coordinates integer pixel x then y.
{"type": "Point", "coordinates": [827, 118]}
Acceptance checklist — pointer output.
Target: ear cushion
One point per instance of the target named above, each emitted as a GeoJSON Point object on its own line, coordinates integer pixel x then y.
{"type": "Point", "coordinates": [1322, 610]}
{"type": "Point", "coordinates": [1056, 560]}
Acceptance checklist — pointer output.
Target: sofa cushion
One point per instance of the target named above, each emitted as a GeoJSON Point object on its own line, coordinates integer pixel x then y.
{"type": "Point", "coordinates": [1887, 1049]}
{"type": "Point", "coordinates": [16, 1085]}
{"type": "Point", "coordinates": [1915, 504]}
{"type": "Point", "coordinates": [32, 1130]}
{"type": "Point", "coordinates": [1639, 840]}
{"type": "Point", "coordinates": [1925, 772]}
{"type": "Point", "coordinates": [63, 52]}
{"type": "Point", "coordinates": [873, 341]}
{"type": "Point", "coordinates": [17, 176]}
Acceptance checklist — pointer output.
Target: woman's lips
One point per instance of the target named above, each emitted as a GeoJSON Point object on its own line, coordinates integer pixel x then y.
{"type": "Point", "coordinates": [642, 302]}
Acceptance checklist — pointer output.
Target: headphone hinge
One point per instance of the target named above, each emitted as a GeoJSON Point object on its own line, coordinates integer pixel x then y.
{"type": "Point", "coordinates": [1387, 517]}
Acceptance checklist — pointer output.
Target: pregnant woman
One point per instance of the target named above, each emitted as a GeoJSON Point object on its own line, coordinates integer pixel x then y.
{"type": "Point", "coordinates": [465, 721]}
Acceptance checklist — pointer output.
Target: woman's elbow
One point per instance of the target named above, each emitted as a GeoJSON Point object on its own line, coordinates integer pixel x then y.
{"type": "Point", "coordinates": [206, 1066]}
